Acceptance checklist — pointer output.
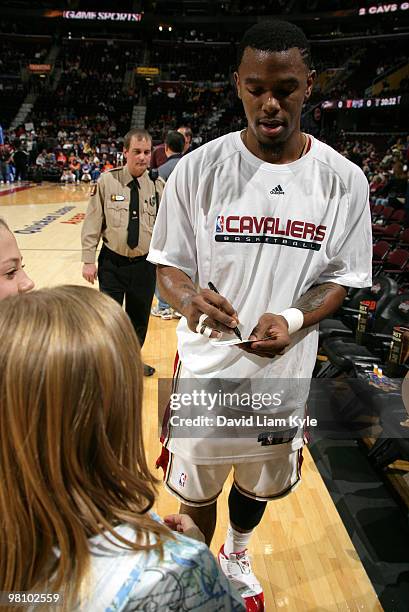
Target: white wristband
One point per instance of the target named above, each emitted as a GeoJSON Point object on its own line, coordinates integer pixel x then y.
{"type": "Point", "coordinates": [294, 318]}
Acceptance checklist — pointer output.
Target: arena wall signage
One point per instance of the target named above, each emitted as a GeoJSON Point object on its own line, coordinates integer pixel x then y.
{"type": "Point", "coordinates": [382, 9]}
{"type": "Point", "coordinates": [364, 103]}
{"type": "Point", "coordinates": [102, 16]}
{"type": "Point", "coordinates": [147, 71]}
{"type": "Point", "coordinates": [40, 68]}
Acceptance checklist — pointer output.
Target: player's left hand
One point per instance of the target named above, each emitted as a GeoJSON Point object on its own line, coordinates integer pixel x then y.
{"type": "Point", "coordinates": [269, 325]}
{"type": "Point", "coordinates": [184, 524]}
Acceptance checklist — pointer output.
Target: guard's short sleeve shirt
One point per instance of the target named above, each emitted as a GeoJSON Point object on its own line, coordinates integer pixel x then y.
{"type": "Point", "coordinates": [107, 214]}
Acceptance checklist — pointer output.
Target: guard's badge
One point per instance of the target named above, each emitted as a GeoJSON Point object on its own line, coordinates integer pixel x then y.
{"type": "Point", "coordinates": [93, 189]}
{"type": "Point", "coordinates": [117, 198]}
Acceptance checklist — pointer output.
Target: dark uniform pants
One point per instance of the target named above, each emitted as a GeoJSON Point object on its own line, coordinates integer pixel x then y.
{"type": "Point", "coordinates": [133, 279]}
{"type": "Point", "coordinates": [21, 172]}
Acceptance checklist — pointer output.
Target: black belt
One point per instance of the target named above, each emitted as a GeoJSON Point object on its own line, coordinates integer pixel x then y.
{"type": "Point", "coordinates": [120, 260]}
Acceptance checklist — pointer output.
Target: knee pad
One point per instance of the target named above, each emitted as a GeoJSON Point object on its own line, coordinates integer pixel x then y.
{"type": "Point", "coordinates": [246, 513]}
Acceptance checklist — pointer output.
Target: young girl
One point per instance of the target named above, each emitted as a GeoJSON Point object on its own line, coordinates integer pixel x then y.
{"type": "Point", "coordinates": [75, 488]}
{"type": "Point", "coordinates": [13, 279]}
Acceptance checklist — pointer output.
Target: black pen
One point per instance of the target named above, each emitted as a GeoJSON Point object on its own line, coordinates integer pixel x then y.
{"type": "Point", "coordinates": [236, 329]}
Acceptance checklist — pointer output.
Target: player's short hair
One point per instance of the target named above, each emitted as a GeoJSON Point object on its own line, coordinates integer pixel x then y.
{"type": "Point", "coordinates": [275, 36]}
{"type": "Point", "coordinates": [4, 224]}
{"type": "Point", "coordinates": [138, 133]}
{"type": "Point", "coordinates": [175, 141]}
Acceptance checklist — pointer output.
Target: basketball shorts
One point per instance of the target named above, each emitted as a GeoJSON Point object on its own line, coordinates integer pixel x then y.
{"type": "Point", "coordinates": [200, 485]}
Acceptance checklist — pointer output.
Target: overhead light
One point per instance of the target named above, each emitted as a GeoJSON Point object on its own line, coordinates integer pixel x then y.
{"type": "Point", "coordinates": [169, 28]}
{"type": "Point", "coordinates": [160, 28]}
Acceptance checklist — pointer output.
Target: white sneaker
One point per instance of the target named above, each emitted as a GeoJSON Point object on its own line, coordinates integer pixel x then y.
{"type": "Point", "coordinates": [237, 568]}
{"type": "Point", "coordinates": [156, 311]}
{"type": "Point", "coordinates": [163, 313]}
{"type": "Point", "coordinates": [176, 314]}
{"type": "Point", "coordinates": [166, 314]}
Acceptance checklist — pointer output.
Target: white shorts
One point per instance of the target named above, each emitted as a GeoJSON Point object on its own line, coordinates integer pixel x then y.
{"type": "Point", "coordinates": [200, 485]}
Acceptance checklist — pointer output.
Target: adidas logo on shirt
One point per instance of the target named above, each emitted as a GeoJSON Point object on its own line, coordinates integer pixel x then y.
{"type": "Point", "coordinates": [277, 190]}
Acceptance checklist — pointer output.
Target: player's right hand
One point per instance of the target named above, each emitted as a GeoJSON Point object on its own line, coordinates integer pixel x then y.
{"type": "Point", "coordinates": [89, 272]}
{"type": "Point", "coordinates": [221, 316]}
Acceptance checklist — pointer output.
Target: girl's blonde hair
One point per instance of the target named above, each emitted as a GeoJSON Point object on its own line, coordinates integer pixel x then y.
{"type": "Point", "coordinates": [72, 459]}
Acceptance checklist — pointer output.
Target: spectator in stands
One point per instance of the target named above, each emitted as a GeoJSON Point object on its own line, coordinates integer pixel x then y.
{"type": "Point", "coordinates": [107, 165]}
{"type": "Point", "coordinates": [75, 168]}
{"type": "Point", "coordinates": [159, 156]}
{"type": "Point", "coordinates": [86, 171]}
{"type": "Point", "coordinates": [50, 158]}
{"type": "Point", "coordinates": [187, 135]}
{"type": "Point", "coordinates": [397, 186]}
{"type": "Point", "coordinates": [67, 176]}
{"type": "Point", "coordinates": [20, 161]}
{"type": "Point", "coordinates": [377, 183]}
{"type": "Point", "coordinates": [76, 515]}
{"type": "Point", "coordinates": [61, 158]}
{"type": "Point", "coordinates": [95, 169]}
{"type": "Point", "coordinates": [5, 162]}
{"type": "Point", "coordinates": [174, 148]}
{"type": "Point", "coordinates": [42, 159]}
{"type": "Point", "coordinates": [174, 145]}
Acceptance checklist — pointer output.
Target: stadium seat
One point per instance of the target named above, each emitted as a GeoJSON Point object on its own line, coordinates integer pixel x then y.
{"type": "Point", "coordinates": [379, 252]}
{"type": "Point", "coordinates": [396, 264]}
{"type": "Point", "coordinates": [377, 342]}
{"type": "Point", "coordinates": [344, 324]}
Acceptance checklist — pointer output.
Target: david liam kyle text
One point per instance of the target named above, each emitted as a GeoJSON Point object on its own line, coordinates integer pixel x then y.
{"type": "Point", "coordinates": [256, 420]}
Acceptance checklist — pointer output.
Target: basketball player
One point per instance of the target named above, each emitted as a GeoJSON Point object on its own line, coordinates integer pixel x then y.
{"type": "Point", "coordinates": [280, 223]}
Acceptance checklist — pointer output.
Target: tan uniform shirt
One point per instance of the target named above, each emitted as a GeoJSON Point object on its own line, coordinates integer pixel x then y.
{"type": "Point", "coordinates": [107, 214]}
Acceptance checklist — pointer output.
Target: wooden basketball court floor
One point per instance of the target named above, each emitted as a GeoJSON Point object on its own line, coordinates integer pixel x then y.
{"type": "Point", "coordinates": [301, 551]}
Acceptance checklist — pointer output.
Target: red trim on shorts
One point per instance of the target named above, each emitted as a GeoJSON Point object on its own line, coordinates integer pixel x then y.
{"type": "Point", "coordinates": [163, 459]}
{"type": "Point", "coordinates": [166, 416]}
{"type": "Point", "coordinates": [300, 462]}
{"type": "Point", "coordinates": [176, 363]}
{"type": "Point", "coordinates": [306, 432]}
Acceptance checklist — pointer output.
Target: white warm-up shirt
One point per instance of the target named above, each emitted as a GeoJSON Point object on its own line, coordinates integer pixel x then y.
{"type": "Point", "coordinates": [263, 234]}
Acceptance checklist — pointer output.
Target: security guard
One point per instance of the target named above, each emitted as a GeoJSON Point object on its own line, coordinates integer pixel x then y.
{"type": "Point", "coordinates": [122, 211]}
